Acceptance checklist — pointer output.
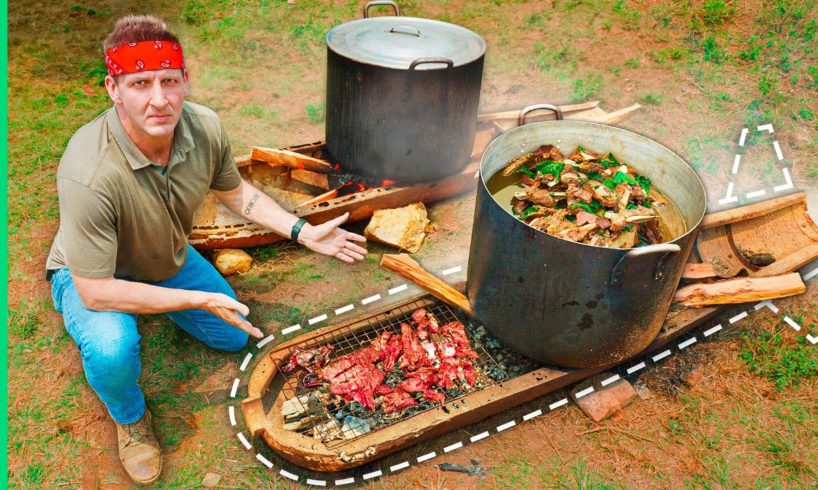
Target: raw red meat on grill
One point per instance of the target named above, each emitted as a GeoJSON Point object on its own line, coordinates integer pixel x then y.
{"type": "Point", "coordinates": [425, 323]}
{"type": "Point", "coordinates": [457, 333]}
{"type": "Point", "coordinates": [358, 384]}
{"type": "Point", "coordinates": [428, 365]}
{"type": "Point", "coordinates": [397, 400]}
{"type": "Point", "coordinates": [434, 396]}
{"type": "Point", "coordinates": [309, 359]}
{"type": "Point", "coordinates": [420, 380]}
{"type": "Point", "coordinates": [413, 354]}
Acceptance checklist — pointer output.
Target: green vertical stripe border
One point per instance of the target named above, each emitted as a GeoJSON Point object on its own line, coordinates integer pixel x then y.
{"type": "Point", "coordinates": [4, 261]}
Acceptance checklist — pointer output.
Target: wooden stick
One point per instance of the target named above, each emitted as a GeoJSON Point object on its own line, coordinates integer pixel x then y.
{"type": "Point", "coordinates": [743, 290]}
{"type": "Point", "coordinates": [244, 160]}
{"type": "Point", "coordinates": [327, 196]}
{"type": "Point", "coordinates": [566, 109]}
{"type": "Point", "coordinates": [406, 267]}
{"type": "Point", "coordinates": [277, 156]}
{"type": "Point", "coordinates": [693, 271]}
{"type": "Point", "coordinates": [756, 210]}
{"type": "Point", "coordinates": [617, 116]}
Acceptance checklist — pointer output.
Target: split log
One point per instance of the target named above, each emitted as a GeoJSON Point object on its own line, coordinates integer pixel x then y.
{"type": "Point", "coordinates": [287, 158]}
{"type": "Point", "coordinates": [744, 213]}
{"type": "Point", "coordinates": [406, 267]}
{"type": "Point", "coordinates": [695, 271]}
{"type": "Point", "coordinates": [545, 116]}
{"type": "Point", "coordinates": [743, 290]}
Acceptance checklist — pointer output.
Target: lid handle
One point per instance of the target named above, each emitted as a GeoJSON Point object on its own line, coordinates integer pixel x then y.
{"type": "Point", "coordinates": [412, 31]}
{"type": "Point", "coordinates": [381, 2]}
{"type": "Point", "coordinates": [535, 107]}
{"type": "Point", "coordinates": [422, 61]}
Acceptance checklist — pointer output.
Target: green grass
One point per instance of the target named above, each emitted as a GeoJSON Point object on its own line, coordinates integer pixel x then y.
{"type": "Point", "coordinates": [787, 364]}
{"type": "Point", "coordinates": [786, 454]}
{"type": "Point", "coordinates": [316, 113]}
{"type": "Point", "coordinates": [651, 99]}
{"type": "Point", "coordinates": [587, 87]}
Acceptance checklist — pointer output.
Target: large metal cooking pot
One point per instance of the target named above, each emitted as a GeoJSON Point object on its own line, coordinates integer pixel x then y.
{"type": "Point", "coordinates": [567, 303]}
{"type": "Point", "coordinates": [402, 96]}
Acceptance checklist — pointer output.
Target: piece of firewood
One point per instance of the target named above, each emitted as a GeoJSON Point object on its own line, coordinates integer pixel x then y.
{"type": "Point", "coordinates": [744, 213]}
{"type": "Point", "coordinates": [512, 115]}
{"type": "Point", "coordinates": [694, 271]}
{"type": "Point", "coordinates": [406, 267]}
{"type": "Point", "coordinates": [743, 290]}
{"type": "Point", "coordinates": [277, 156]}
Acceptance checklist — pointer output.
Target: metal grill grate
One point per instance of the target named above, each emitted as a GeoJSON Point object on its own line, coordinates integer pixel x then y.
{"type": "Point", "coordinates": [320, 416]}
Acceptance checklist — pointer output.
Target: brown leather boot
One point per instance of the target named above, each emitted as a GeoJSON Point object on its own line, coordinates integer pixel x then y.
{"type": "Point", "coordinates": [139, 451]}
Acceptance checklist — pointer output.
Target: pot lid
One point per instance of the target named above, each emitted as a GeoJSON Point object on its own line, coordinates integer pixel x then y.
{"type": "Point", "coordinates": [395, 42]}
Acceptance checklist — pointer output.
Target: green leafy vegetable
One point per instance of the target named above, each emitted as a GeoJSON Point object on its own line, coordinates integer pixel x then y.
{"type": "Point", "coordinates": [644, 183]}
{"type": "Point", "coordinates": [627, 228]}
{"type": "Point", "coordinates": [631, 206]}
{"type": "Point", "coordinates": [609, 161]}
{"type": "Point", "coordinates": [595, 176]}
{"type": "Point", "coordinates": [529, 211]}
{"type": "Point", "coordinates": [594, 207]}
{"type": "Point", "coordinates": [551, 167]}
{"type": "Point", "coordinates": [618, 178]}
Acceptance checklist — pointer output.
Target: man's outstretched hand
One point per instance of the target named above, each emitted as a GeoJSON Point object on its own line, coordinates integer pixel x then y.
{"type": "Point", "coordinates": [228, 309]}
{"type": "Point", "coordinates": [328, 239]}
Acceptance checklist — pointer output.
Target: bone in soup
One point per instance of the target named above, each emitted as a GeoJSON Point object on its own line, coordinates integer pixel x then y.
{"type": "Point", "coordinates": [587, 197]}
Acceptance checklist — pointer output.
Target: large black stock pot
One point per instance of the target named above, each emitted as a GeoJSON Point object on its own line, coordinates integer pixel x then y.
{"type": "Point", "coordinates": [402, 96]}
{"type": "Point", "coordinates": [567, 303]}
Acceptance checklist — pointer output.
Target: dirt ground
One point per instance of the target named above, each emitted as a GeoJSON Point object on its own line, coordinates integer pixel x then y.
{"type": "Point", "coordinates": [736, 411]}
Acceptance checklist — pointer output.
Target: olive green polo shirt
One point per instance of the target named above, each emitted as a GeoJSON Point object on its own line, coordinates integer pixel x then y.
{"type": "Point", "coordinates": [122, 215]}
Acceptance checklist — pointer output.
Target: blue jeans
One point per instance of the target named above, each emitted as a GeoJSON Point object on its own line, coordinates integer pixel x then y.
{"type": "Point", "coordinates": [109, 341]}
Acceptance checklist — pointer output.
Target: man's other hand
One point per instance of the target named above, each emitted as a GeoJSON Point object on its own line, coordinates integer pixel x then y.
{"type": "Point", "coordinates": [328, 239]}
{"type": "Point", "coordinates": [228, 309]}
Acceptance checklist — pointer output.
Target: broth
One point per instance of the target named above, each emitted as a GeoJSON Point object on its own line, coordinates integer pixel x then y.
{"type": "Point", "coordinates": [671, 222]}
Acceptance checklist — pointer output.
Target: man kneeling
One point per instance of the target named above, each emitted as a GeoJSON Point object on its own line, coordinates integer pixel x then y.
{"type": "Point", "coordinates": [129, 183]}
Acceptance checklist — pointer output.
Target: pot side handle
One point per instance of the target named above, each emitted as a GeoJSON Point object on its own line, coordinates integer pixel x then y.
{"type": "Point", "coordinates": [381, 2]}
{"type": "Point", "coordinates": [524, 112]}
{"type": "Point", "coordinates": [634, 265]}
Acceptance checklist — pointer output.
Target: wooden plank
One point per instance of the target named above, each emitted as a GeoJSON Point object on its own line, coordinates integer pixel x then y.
{"type": "Point", "coordinates": [742, 290]}
{"type": "Point", "coordinates": [362, 204]}
{"type": "Point", "coordinates": [543, 116]}
{"type": "Point", "coordinates": [618, 116]}
{"type": "Point", "coordinates": [694, 271]}
{"type": "Point", "coordinates": [751, 211]}
{"type": "Point", "coordinates": [295, 160]}
{"type": "Point", "coordinates": [405, 266]}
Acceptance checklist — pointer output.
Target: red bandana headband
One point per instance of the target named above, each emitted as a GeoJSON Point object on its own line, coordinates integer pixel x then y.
{"type": "Point", "coordinates": [144, 56]}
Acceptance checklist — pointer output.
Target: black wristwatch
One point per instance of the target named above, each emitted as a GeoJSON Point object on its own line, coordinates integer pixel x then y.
{"type": "Point", "coordinates": [297, 229]}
